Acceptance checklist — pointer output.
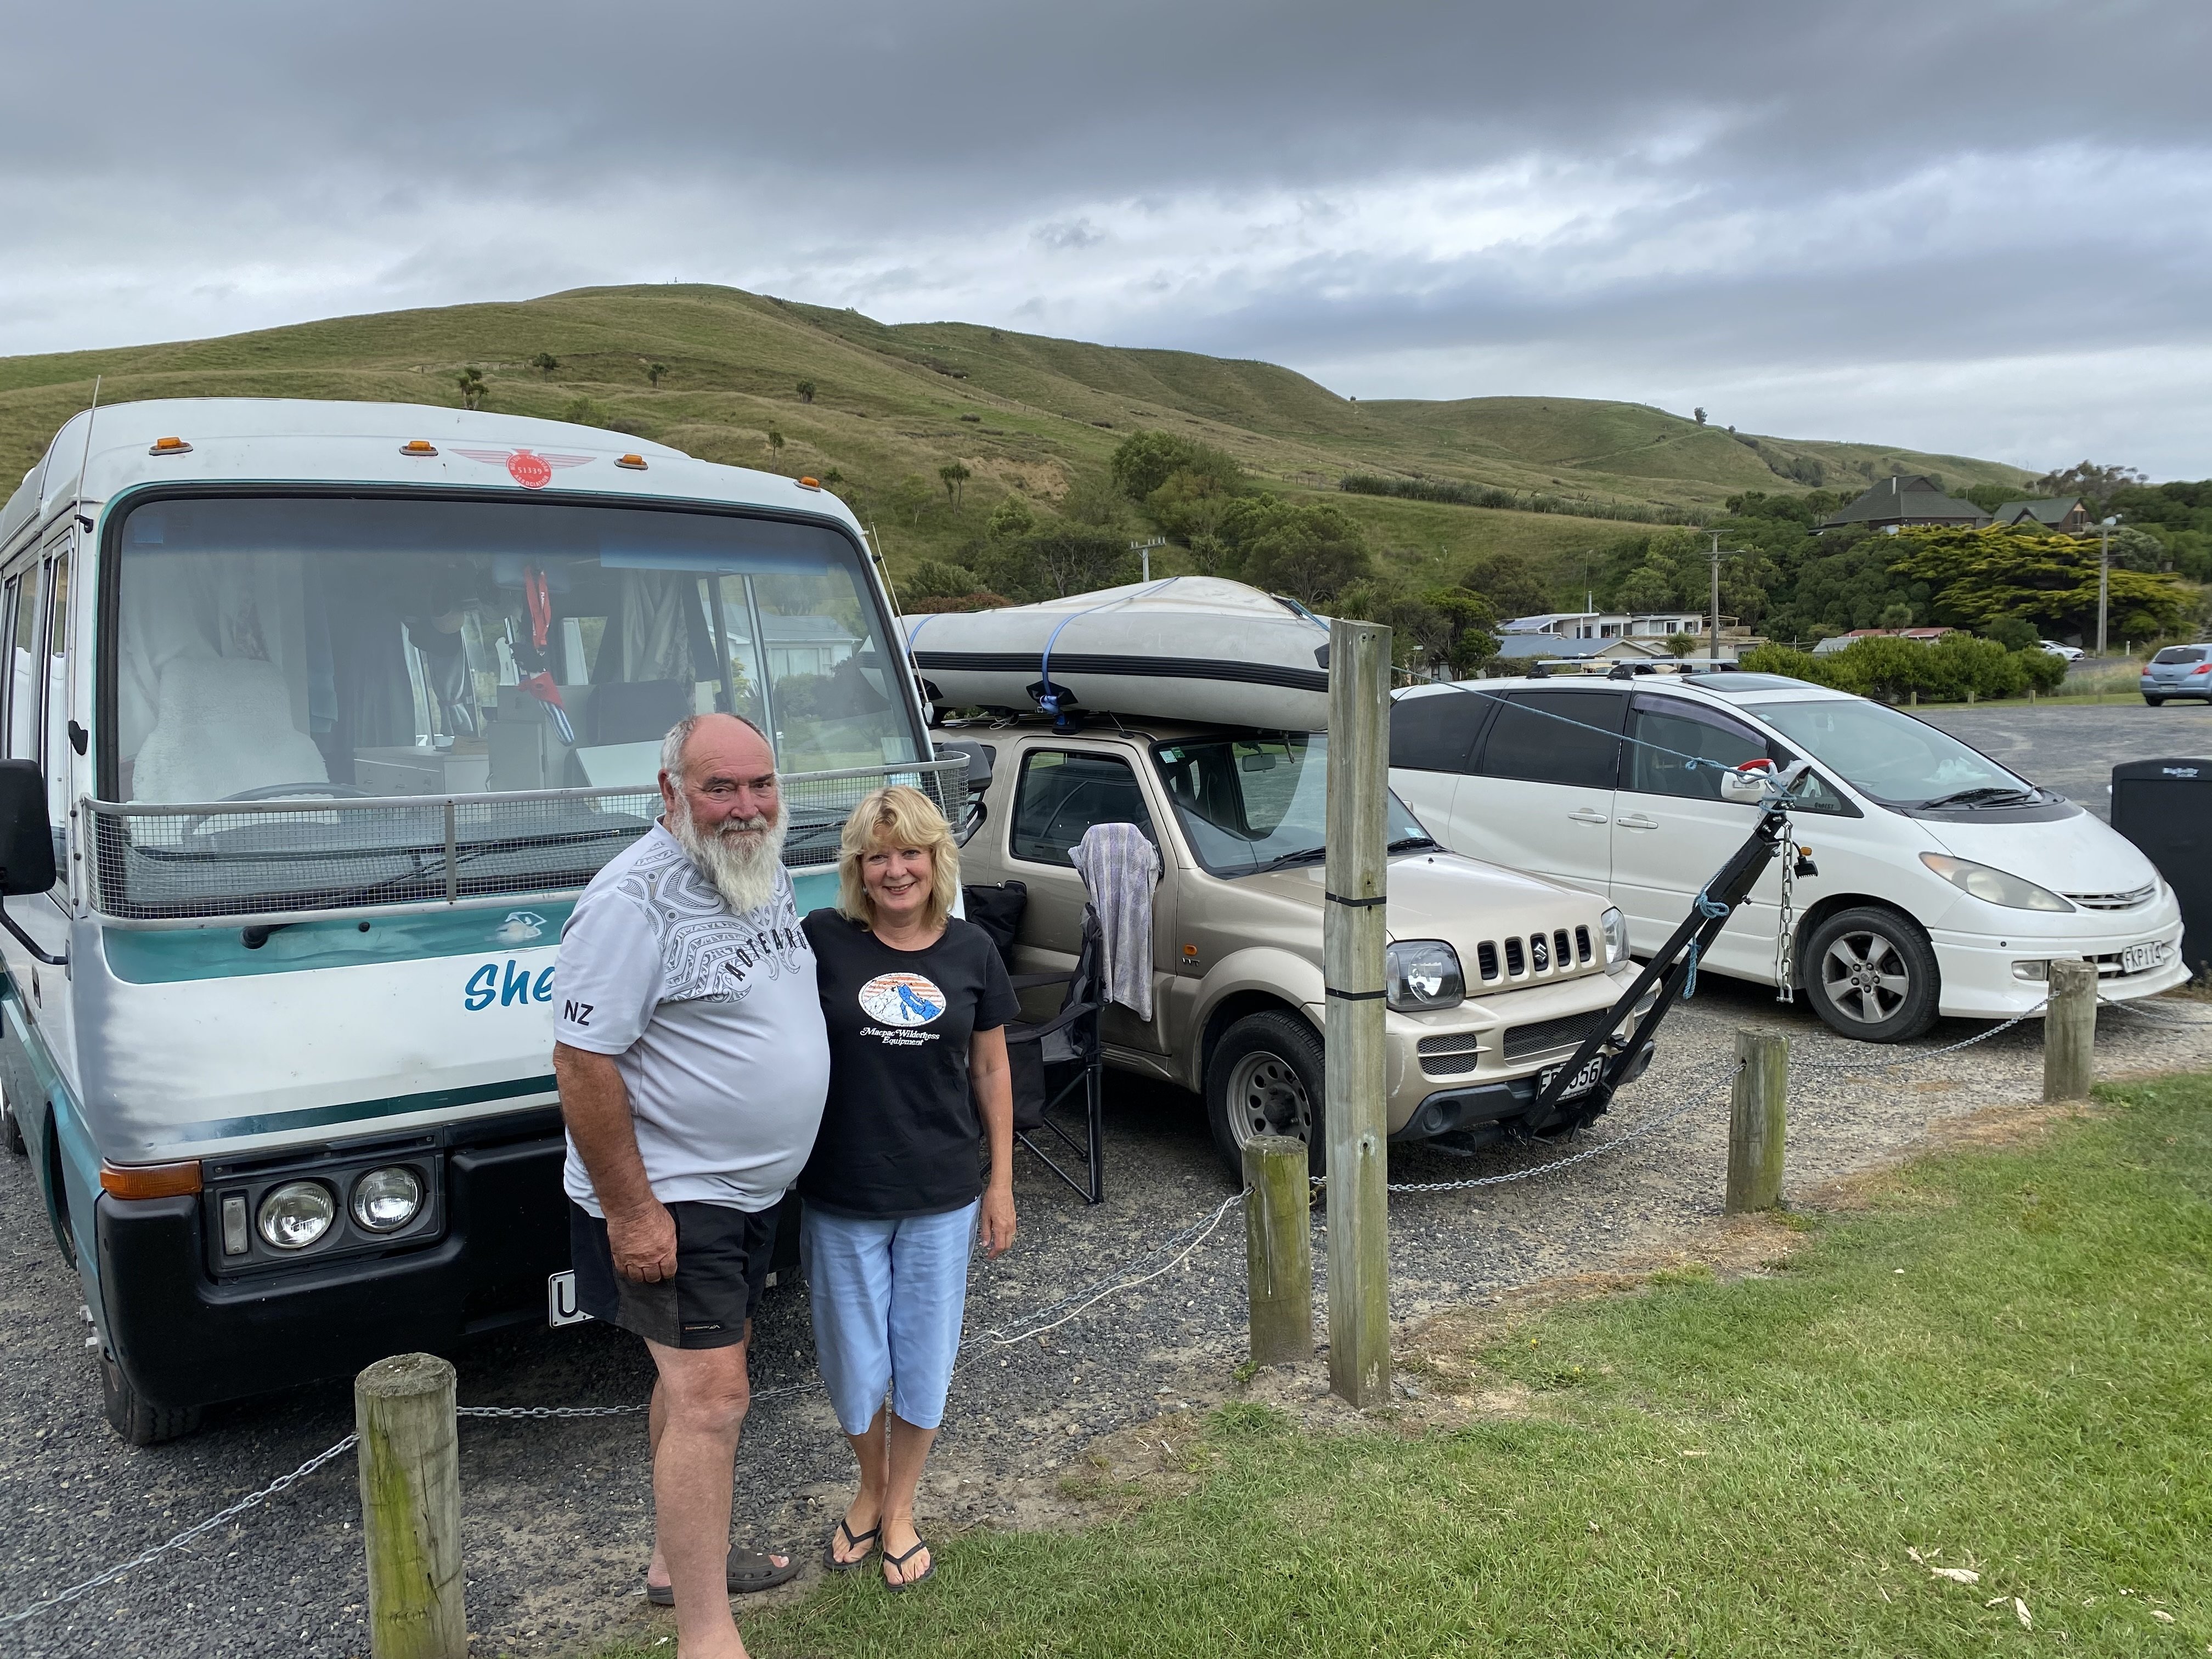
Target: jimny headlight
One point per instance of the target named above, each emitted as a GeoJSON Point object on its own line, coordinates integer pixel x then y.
{"type": "Point", "coordinates": [1993, 886]}
{"type": "Point", "coordinates": [1616, 935]}
{"type": "Point", "coordinates": [1423, 974]}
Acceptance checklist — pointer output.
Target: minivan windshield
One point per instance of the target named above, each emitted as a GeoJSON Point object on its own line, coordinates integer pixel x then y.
{"type": "Point", "coordinates": [386, 647]}
{"type": "Point", "coordinates": [1261, 800]}
{"type": "Point", "coordinates": [1893, 758]}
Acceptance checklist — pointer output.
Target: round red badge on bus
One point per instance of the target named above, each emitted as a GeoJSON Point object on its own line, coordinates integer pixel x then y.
{"type": "Point", "coordinates": [532, 471]}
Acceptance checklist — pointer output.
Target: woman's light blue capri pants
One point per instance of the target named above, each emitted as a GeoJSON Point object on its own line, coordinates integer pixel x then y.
{"type": "Point", "coordinates": [888, 1296]}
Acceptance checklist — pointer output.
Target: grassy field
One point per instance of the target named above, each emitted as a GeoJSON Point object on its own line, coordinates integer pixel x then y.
{"type": "Point", "coordinates": [1968, 1416]}
{"type": "Point", "coordinates": [1027, 414]}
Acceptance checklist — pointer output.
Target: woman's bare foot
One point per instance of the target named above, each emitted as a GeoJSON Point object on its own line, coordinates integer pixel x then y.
{"type": "Point", "coordinates": [857, 1542]}
{"type": "Point", "coordinates": [899, 1539]}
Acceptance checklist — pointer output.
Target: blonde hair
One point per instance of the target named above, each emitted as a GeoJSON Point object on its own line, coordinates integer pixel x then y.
{"type": "Point", "coordinates": [899, 816]}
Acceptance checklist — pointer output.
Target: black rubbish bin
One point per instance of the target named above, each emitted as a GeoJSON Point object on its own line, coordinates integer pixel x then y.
{"type": "Point", "coordinates": [2165, 807]}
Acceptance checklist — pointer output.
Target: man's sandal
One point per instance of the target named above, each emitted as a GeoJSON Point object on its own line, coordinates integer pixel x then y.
{"type": "Point", "coordinates": [751, 1571]}
{"type": "Point", "coordinates": [852, 1541]}
{"type": "Point", "coordinates": [900, 1561]}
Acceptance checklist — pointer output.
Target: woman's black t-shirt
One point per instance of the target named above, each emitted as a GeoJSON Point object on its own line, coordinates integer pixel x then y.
{"type": "Point", "coordinates": [899, 1135]}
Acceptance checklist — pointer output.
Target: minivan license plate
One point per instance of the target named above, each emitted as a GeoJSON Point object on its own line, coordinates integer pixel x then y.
{"type": "Point", "coordinates": [2137, 957]}
{"type": "Point", "coordinates": [1581, 1084]}
{"type": "Point", "coordinates": [561, 1307]}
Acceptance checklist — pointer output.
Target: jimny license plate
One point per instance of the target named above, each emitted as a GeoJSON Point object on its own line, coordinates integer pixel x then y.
{"type": "Point", "coordinates": [1580, 1083]}
{"type": "Point", "coordinates": [2138, 957]}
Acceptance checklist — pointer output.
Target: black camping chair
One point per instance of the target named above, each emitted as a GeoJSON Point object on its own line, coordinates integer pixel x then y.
{"type": "Point", "coordinates": [997, 911]}
{"type": "Point", "coordinates": [1057, 1063]}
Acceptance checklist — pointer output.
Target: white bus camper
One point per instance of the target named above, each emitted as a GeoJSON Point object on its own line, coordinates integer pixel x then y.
{"type": "Point", "coordinates": [319, 717]}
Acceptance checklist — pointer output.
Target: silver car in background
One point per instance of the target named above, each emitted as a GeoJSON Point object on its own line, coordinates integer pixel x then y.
{"type": "Point", "coordinates": [2179, 670]}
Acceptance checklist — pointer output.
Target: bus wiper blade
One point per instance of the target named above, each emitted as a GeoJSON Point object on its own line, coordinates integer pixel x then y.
{"type": "Point", "coordinates": [1986, 795]}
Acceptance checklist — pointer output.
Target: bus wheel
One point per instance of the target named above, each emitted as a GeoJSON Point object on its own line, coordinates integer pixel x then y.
{"type": "Point", "coordinates": [137, 1419]}
{"type": "Point", "coordinates": [11, 1132]}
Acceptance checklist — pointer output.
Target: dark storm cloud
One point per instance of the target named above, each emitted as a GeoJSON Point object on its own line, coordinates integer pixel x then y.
{"type": "Point", "coordinates": [1716, 188]}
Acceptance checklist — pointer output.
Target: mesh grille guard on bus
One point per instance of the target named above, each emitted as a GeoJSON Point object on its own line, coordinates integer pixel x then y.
{"type": "Point", "coordinates": [243, 863]}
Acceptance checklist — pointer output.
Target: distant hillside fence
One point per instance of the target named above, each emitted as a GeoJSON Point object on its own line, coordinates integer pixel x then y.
{"type": "Point", "coordinates": [1468, 494]}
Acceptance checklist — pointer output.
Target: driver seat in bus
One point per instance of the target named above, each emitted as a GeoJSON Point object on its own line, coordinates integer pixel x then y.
{"type": "Point", "coordinates": [222, 725]}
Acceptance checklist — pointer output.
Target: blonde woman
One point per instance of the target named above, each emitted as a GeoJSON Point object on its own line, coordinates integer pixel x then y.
{"type": "Point", "coordinates": [916, 1002]}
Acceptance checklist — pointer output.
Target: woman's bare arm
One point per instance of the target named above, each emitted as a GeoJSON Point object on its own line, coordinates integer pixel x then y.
{"type": "Point", "coordinates": [992, 1080]}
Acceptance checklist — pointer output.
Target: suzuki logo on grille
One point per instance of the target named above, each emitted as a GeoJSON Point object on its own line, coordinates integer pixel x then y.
{"type": "Point", "coordinates": [1539, 955]}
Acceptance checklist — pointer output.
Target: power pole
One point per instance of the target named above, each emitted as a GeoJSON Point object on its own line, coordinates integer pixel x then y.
{"type": "Point", "coordinates": [1713, 650]}
{"type": "Point", "coordinates": [1146, 549]}
{"type": "Point", "coordinates": [2104, 577]}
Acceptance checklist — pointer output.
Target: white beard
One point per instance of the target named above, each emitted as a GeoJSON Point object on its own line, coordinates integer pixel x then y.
{"type": "Point", "coordinates": [741, 859]}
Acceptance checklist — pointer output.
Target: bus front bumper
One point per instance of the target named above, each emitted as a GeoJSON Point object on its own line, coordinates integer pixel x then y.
{"type": "Point", "coordinates": [185, 1338]}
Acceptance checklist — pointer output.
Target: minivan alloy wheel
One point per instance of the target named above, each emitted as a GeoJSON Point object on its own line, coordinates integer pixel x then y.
{"type": "Point", "coordinates": [1872, 975]}
{"type": "Point", "coordinates": [1865, 977]}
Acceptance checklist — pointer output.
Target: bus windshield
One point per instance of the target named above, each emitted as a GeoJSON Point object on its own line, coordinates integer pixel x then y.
{"type": "Point", "coordinates": [386, 647]}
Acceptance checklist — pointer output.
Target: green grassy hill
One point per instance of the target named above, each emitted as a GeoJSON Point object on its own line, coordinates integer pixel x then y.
{"type": "Point", "coordinates": [1027, 414]}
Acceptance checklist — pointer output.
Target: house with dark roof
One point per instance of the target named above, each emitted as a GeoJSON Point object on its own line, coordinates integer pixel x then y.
{"type": "Point", "coordinates": [2068, 514]}
{"type": "Point", "coordinates": [1908, 498]}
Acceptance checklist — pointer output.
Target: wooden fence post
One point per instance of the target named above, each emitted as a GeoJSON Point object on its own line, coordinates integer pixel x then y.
{"type": "Point", "coordinates": [1352, 966]}
{"type": "Point", "coordinates": [410, 1507]}
{"type": "Point", "coordinates": [2070, 1031]}
{"type": "Point", "coordinates": [1278, 1249]}
{"type": "Point", "coordinates": [1759, 1117]}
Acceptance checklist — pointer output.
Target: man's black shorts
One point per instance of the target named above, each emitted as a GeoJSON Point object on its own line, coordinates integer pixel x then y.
{"type": "Point", "coordinates": [721, 1269]}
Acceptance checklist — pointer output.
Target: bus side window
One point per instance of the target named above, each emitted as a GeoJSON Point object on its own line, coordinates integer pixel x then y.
{"type": "Point", "coordinates": [57, 756]}
{"type": "Point", "coordinates": [24, 668]}
{"type": "Point", "coordinates": [7, 598]}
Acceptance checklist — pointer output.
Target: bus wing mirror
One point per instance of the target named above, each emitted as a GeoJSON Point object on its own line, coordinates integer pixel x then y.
{"type": "Point", "coordinates": [978, 755]}
{"type": "Point", "coordinates": [26, 844]}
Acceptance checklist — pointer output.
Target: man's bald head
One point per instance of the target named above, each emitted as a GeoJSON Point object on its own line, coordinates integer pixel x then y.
{"type": "Point", "coordinates": [718, 785]}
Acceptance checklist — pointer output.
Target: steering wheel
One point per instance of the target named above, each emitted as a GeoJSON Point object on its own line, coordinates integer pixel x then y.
{"type": "Point", "coordinates": [275, 791]}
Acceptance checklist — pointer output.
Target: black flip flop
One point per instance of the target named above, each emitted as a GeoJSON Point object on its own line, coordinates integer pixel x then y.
{"type": "Point", "coordinates": [854, 1540]}
{"type": "Point", "coordinates": [751, 1571]}
{"type": "Point", "coordinates": [900, 1561]}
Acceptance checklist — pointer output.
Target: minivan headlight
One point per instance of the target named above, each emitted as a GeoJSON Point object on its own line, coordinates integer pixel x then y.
{"type": "Point", "coordinates": [1993, 886]}
{"type": "Point", "coordinates": [295, 1215]}
{"type": "Point", "coordinates": [1616, 935]}
{"type": "Point", "coordinates": [1423, 974]}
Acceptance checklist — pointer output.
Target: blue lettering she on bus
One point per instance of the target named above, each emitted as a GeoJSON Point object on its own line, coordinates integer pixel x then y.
{"type": "Point", "coordinates": [487, 986]}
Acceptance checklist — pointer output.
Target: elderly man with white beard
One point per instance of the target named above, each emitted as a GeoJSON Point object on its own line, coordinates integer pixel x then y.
{"type": "Point", "coordinates": [693, 1065]}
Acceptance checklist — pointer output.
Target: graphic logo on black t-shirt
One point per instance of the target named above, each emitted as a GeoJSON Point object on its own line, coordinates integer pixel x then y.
{"type": "Point", "coordinates": [902, 1000]}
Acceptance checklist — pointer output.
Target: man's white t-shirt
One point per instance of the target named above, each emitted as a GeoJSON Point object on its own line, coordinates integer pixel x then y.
{"type": "Point", "coordinates": [712, 1018]}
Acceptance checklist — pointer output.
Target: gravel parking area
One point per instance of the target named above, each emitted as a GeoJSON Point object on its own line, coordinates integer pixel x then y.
{"type": "Point", "coordinates": [557, 1513]}
{"type": "Point", "coordinates": [2074, 751]}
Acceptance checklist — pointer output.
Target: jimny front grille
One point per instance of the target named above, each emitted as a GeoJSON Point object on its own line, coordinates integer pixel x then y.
{"type": "Point", "coordinates": [242, 862]}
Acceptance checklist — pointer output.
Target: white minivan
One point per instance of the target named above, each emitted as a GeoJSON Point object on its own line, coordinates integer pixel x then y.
{"type": "Point", "coordinates": [1941, 883]}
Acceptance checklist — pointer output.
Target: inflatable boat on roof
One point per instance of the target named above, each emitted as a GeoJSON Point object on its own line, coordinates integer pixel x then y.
{"type": "Point", "coordinates": [1183, 647]}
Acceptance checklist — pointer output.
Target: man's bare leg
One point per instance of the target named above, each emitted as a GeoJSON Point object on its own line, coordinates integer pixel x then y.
{"type": "Point", "coordinates": [700, 1400]}
{"type": "Point", "coordinates": [908, 1451]}
{"type": "Point", "coordinates": [656, 1421]}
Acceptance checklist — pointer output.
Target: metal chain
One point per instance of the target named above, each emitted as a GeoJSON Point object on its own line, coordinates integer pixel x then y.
{"type": "Point", "coordinates": [547, 1411]}
{"type": "Point", "coordinates": [1785, 935]}
{"type": "Point", "coordinates": [2162, 1017]}
{"type": "Point", "coordinates": [1699, 1097]}
{"type": "Point", "coordinates": [186, 1536]}
{"type": "Point", "coordinates": [1917, 1056]}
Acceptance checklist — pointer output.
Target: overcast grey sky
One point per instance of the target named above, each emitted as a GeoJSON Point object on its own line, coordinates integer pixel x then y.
{"type": "Point", "coordinates": [1983, 226]}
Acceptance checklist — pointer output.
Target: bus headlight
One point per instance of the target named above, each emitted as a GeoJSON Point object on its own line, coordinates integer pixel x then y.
{"type": "Point", "coordinates": [1423, 974]}
{"type": "Point", "coordinates": [1616, 935]}
{"type": "Point", "coordinates": [385, 1201]}
{"type": "Point", "coordinates": [297, 1214]}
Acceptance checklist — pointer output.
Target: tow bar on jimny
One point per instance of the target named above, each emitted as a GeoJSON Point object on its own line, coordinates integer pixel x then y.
{"type": "Point", "coordinates": [1675, 964]}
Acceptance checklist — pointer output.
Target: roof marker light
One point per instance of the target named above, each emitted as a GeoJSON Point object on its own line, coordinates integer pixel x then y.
{"type": "Point", "coordinates": [418, 446]}
{"type": "Point", "coordinates": [810, 483]}
{"type": "Point", "coordinates": [632, 463]}
{"type": "Point", "coordinates": [169, 447]}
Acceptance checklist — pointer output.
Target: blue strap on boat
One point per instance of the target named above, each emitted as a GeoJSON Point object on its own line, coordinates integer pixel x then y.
{"type": "Point", "coordinates": [1712, 909]}
{"type": "Point", "coordinates": [1048, 698]}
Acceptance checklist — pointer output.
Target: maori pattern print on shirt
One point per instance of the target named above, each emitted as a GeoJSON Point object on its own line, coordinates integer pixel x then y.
{"type": "Point", "coordinates": [708, 954]}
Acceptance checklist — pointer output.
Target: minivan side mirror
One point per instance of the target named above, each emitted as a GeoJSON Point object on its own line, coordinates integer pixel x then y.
{"type": "Point", "coordinates": [26, 844]}
{"type": "Point", "coordinates": [1748, 788]}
